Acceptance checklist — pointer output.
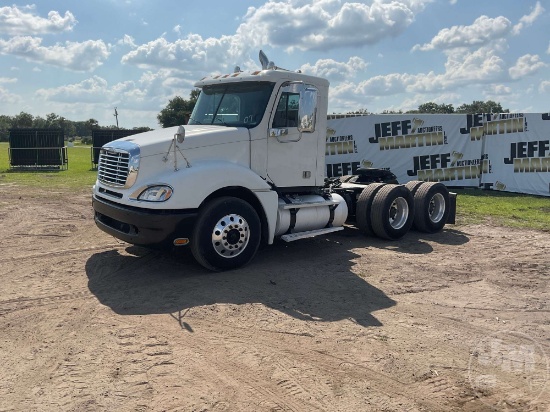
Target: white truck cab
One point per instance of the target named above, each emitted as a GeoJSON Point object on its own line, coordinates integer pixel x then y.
{"type": "Point", "coordinates": [248, 167]}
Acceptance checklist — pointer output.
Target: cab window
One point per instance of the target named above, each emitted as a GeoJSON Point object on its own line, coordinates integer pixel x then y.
{"type": "Point", "coordinates": [286, 114]}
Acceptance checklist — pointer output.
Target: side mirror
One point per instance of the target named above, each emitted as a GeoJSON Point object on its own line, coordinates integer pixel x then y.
{"type": "Point", "coordinates": [307, 109]}
{"type": "Point", "coordinates": [180, 134]}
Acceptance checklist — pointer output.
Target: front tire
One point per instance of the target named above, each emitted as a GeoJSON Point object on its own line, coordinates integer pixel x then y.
{"type": "Point", "coordinates": [227, 234]}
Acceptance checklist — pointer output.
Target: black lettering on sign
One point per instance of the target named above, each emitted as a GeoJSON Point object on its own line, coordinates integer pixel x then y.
{"type": "Point", "coordinates": [387, 129]}
{"type": "Point", "coordinates": [472, 120]}
{"type": "Point", "coordinates": [342, 169]}
{"type": "Point", "coordinates": [429, 162]}
{"type": "Point", "coordinates": [522, 150]}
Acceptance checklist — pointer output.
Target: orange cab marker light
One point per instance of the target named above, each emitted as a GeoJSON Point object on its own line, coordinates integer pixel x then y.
{"type": "Point", "coordinates": [181, 241]}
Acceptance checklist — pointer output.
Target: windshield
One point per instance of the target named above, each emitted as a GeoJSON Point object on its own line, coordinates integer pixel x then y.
{"type": "Point", "coordinates": [233, 104]}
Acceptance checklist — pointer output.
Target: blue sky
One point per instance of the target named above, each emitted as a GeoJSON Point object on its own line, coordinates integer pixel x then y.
{"type": "Point", "coordinates": [81, 59]}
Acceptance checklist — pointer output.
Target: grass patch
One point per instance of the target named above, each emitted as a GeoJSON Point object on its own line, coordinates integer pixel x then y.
{"type": "Point", "coordinates": [79, 175]}
{"type": "Point", "coordinates": [503, 209]}
{"type": "Point", "coordinates": [473, 206]}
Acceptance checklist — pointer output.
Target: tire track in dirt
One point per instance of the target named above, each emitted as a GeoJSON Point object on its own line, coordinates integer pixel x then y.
{"type": "Point", "coordinates": [63, 252]}
{"type": "Point", "coordinates": [299, 391]}
{"type": "Point", "coordinates": [24, 302]}
{"type": "Point", "coordinates": [13, 305]}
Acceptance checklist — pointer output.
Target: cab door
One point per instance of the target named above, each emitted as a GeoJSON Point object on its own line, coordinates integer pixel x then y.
{"type": "Point", "coordinates": [292, 147]}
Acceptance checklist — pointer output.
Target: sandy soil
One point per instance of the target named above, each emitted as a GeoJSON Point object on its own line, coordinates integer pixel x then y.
{"type": "Point", "coordinates": [448, 322]}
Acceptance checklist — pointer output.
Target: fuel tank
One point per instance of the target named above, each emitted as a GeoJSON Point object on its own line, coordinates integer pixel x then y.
{"type": "Point", "coordinates": [311, 212]}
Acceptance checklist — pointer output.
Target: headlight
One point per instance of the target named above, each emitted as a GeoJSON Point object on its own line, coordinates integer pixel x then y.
{"type": "Point", "coordinates": [156, 194]}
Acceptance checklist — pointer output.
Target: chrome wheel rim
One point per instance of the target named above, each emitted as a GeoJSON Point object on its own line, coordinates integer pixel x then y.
{"type": "Point", "coordinates": [399, 213]}
{"type": "Point", "coordinates": [230, 236]}
{"type": "Point", "coordinates": [436, 208]}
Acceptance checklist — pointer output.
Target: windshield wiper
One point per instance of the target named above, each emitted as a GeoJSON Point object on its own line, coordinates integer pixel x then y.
{"type": "Point", "coordinates": [219, 119]}
{"type": "Point", "coordinates": [195, 121]}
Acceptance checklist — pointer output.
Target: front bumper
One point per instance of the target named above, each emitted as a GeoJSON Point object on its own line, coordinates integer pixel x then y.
{"type": "Point", "coordinates": [144, 227]}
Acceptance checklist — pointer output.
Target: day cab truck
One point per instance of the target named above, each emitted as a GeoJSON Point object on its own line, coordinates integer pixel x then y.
{"type": "Point", "coordinates": [249, 167]}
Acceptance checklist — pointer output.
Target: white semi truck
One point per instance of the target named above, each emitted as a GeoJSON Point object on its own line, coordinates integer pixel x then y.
{"type": "Point", "coordinates": [249, 167]}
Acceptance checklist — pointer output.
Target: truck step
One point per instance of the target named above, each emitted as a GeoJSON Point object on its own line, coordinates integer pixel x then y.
{"type": "Point", "coordinates": [299, 205]}
{"type": "Point", "coordinates": [291, 237]}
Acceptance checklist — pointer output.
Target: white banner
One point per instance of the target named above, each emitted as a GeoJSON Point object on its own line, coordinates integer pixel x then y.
{"type": "Point", "coordinates": [519, 146]}
{"type": "Point", "coordinates": [413, 147]}
{"type": "Point", "coordinates": [506, 151]}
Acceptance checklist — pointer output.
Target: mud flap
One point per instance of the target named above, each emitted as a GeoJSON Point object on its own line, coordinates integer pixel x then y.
{"type": "Point", "coordinates": [452, 206]}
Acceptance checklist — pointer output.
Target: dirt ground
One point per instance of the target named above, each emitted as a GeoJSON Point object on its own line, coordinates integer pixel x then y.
{"type": "Point", "coordinates": [457, 321]}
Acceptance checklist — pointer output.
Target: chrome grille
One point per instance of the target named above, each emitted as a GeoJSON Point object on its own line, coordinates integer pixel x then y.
{"type": "Point", "coordinates": [118, 164]}
{"type": "Point", "coordinates": [113, 167]}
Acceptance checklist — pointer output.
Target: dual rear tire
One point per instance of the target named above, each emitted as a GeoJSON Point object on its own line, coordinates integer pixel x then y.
{"type": "Point", "coordinates": [389, 211]}
{"type": "Point", "coordinates": [431, 207]}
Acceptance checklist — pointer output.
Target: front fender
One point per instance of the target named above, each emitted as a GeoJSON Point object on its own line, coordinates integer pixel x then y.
{"type": "Point", "coordinates": [194, 184]}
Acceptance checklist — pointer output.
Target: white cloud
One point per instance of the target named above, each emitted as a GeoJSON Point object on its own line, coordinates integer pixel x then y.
{"type": "Point", "coordinates": [334, 70]}
{"type": "Point", "coordinates": [138, 102]}
{"type": "Point", "coordinates": [188, 54]}
{"type": "Point", "coordinates": [8, 80]}
{"type": "Point", "coordinates": [8, 98]}
{"type": "Point", "coordinates": [151, 92]}
{"type": "Point", "coordinates": [85, 56]}
{"type": "Point", "coordinates": [481, 65]}
{"type": "Point", "coordinates": [15, 21]}
{"type": "Point", "coordinates": [500, 89]}
{"type": "Point", "coordinates": [463, 68]}
{"type": "Point", "coordinates": [87, 91]}
{"type": "Point", "coordinates": [526, 65]}
{"type": "Point", "coordinates": [127, 40]}
{"type": "Point", "coordinates": [483, 31]}
{"type": "Point", "coordinates": [544, 87]}
{"type": "Point", "coordinates": [528, 19]}
{"type": "Point", "coordinates": [290, 24]}
{"type": "Point", "coordinates": [326, 24]}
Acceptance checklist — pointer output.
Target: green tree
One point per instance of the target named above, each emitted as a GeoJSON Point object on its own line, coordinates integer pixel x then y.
{"type": "Point", "coordinates": [434, 108]}
{"type": "Point", "coordinates": [5, 125]}
{"type": "Point", "coordinates": [359, 111]}
{"type": "Point", "coordinates": [142, 129]}
{"type": "Point", "coordinates": [82, 129]}
{"type": "Point", "coordinates": [479, 106]}
{"type": "Point", "coordinates": [92, 124]}
{"type": "Point", "coordinates": [178, 110]}
{"type": "Point", "coordinates": [22, 120]}
{"type": "Point", "coordinates": [39, 122]}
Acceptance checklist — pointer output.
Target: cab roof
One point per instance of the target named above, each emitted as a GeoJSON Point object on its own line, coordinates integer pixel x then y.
{"type": "Point", "coordinates": [268, 75]}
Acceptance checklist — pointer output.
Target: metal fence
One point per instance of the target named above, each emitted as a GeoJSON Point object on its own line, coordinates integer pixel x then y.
{"type": "Point", "coordinates": [37, 149]}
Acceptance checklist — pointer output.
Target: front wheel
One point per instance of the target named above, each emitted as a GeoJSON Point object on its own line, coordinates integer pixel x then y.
{"type": "Point", "coordinates": [226, 234]}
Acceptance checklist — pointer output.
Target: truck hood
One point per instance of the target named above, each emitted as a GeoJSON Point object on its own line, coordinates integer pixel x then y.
{"type": "Point", "coordinates": [196, 136]}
